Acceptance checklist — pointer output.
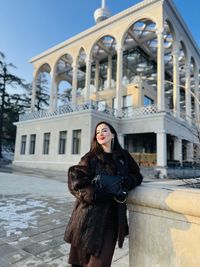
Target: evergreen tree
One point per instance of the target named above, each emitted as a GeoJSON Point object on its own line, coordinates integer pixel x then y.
{"type": "Point", "coordinates": [65, 97]}
{"type": "Point", "coordinates": [7, 80]}
{"type": "Point", "coordinates": [42, 92]}
{"type": "Point", "coordinates": [15, 104]}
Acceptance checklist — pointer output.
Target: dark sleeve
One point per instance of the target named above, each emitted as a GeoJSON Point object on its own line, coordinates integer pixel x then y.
{"type": "Point", "coordinates": [79, 181]}
{"type": "Point", "coordinates": [134, 177]}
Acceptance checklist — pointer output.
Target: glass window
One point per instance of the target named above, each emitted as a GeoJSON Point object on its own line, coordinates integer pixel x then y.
{"type": "Point", "coordinates": [147, 101]}
{"type": "Point", "coordinates": [46, 143]}
{"type": "Point", "coordinates": [127, 101]}
{"type": "Point", "coordinates": [32, 143]}
{"type": "Point", "coordinates": [114, 103]}
{"type": "Point", "coordinates": [62, 142]}
{"type": "Point", "coordinates": [23, 145]}
{"type": "Point", "coordinates": [76, 142]}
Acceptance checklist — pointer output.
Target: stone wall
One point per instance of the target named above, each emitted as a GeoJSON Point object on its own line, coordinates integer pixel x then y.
{"type": "Point", "coordinates": [164, 220]}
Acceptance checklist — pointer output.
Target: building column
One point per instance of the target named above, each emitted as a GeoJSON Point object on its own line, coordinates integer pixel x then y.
{"type": "Point", "coordinates": [96, 81]}
{"type": "Point", "coordinates": [141, 93]}
{"type": "Point", "coordinates": [160, 72]}
{"type": "Point", "coordinates": [178, 149]}
{"type": "Point", "coordinates": [53, 92]}
{"type": "Point", "coordinates": [74, 84]}
{"type": "Point", "coordinates": [161, 140]}
{"type": "Point", "coordinates": [121, 139]}
{"type": "Point", "coordinates": [33, 96]}
{"type": "Point", "coordinates": [197, 153]}
{"type": "Point", "coordinates": [119, 80]}
{"type": "Point", "coordinates": [188, 95]}
{"type": "Point", "coordinates": [87, 80]}
{"type": "Point", "coordinates": [176, 89]}
{"type": "Point", "coordinates": [196, 99]}
{"type": "Point", "coordinates": [190, 152]}
{"type": "Point", "coordinates": [109, 72]}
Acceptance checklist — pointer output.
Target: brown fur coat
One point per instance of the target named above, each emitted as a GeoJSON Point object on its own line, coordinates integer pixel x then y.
{"type": "Point", "coordinates": [87, 224]}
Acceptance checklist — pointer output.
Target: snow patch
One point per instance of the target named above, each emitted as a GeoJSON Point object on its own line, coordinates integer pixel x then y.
{"type": "Point", "coordinates": [50, 210]}
{"type": "Point", "coordinates": [18, 214]}
{"type": "Point", "coordinates": [56, 221]}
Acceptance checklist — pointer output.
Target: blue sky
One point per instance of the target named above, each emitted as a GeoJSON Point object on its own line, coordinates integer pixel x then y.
{"type": "Point", "coordinates": [29, 27]}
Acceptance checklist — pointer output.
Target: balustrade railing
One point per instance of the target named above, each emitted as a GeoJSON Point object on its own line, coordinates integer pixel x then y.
{"type": "Point", "coordinates": [92, 105]}
{"type": "Point", "coordinates": [69, 108]}
{"type": "Point", "coordinates": [141, 111]}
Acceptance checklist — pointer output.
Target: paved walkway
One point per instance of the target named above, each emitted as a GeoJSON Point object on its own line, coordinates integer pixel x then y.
{"type": "Point", "coordinates": [34, 209]}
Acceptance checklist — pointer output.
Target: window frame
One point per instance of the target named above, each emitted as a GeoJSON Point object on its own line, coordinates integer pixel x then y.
{"type": "Point", "coordinates": [23, 145]}
{"type": "Point", "coordinates": [32, 144]}
{"type": "Point", "coordinates": [62, 143]}
{"type": "Point", "coordinates": [76, 141]}
{"type": "Point", "coordinates": [46, 143]}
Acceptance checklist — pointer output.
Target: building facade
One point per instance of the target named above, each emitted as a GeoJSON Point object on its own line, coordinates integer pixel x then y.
{"type": "Point", "coordinates": [138, 70]}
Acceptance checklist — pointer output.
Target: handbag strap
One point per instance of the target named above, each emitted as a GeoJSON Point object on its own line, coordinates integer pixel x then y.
{"type": "Point", "coordinates": [121, 202]}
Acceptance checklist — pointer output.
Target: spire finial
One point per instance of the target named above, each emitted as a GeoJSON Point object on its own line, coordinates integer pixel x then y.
{"type": "Point", "coordinates": [102, 13]}
{"type": "Point", "coordinates": [103, 3]}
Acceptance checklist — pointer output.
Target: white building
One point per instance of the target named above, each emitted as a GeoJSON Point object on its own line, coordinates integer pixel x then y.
{"type": "Point", "coordinates": [138, 70]}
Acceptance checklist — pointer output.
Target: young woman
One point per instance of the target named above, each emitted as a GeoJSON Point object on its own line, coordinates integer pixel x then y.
{"type": "Point", "coordinates": [98, 221]}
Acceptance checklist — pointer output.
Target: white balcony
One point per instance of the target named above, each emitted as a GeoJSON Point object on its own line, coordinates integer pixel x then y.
{"type": "Point", "coordinates": [66, 109]}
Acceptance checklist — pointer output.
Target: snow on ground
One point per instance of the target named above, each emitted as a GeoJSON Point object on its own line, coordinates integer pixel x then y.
{"type": "Point", "coordinates": [18, 214]}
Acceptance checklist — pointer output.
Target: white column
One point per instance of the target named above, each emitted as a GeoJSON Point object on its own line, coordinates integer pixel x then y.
{"type": "Point", "coordinates": [188, 95]}
{"type": "Point", "coordinates": [178, 149]}
{"type": "Point", "coordinates": [121, 139]}
{"type": "Point", "coordinates": [140, 100]}
{"type": "Point", "coordinates": [190, 150]}
{"type": "Point", "coordinates": [53, 92]}
{"type": "Point", "coordinates": [176, 89]}
{"type": "Point", "coordinates": [74, 84]}
{"type": "Point", "coordinates": [197, 153]}
{"type": "Point", "coordinates": [87, 80]}
{"type": "Point", "coordinates": [161, 139]}
{"type": "Point", "coordinates": [196, 99]}
{"type": "Point", "coordinates": [109, 72]}
{"type": "Point", "coordinates": [96, 81]}
{"type": "Point", "coordinates": [119, 79]}
{"type": "Point", "coordinates": [33, 96]}
{"type": "Point", "coordinates": [160, 72]}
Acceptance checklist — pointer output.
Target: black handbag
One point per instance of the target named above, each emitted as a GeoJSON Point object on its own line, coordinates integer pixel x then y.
{"type": "Point", "coordinates": [112, 185]}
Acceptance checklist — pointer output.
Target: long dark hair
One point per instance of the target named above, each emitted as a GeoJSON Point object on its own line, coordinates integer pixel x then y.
{"type": "Point", "coordinates": [96, 147]}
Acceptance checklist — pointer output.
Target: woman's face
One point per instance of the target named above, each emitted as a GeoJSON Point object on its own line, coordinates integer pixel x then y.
{"type": "Point", "coordinates": [104, 136]}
